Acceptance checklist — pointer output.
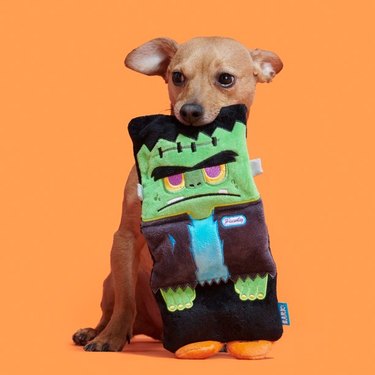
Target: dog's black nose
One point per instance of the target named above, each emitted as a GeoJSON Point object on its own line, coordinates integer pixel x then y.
{"type": "Point", "coordinates": [191, 112]}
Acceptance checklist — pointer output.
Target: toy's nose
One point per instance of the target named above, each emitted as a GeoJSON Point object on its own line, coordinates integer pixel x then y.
{"type": "Point", "coordinates": [191, 112]}
{"type": "Point", "coordinates": [194, 185]}
{"type": "Point", "coordinates": [193, 179]}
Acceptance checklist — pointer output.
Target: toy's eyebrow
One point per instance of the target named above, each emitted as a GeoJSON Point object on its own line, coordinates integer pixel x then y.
{"type": "Point", "coordinates": [222, 157]}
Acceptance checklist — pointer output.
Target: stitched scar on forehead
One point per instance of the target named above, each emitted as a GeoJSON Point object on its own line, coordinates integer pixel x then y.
{"type": "Point", "coordinates": [222, 157]}
{"type": "Point", "coordinates": [148, 130]}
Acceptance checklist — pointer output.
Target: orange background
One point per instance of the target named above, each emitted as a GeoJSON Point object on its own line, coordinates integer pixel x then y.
{"type": "Point", "coordinates": [66, 99]}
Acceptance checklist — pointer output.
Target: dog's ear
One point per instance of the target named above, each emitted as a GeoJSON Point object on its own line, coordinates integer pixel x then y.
{"type": "Point", "coordinates": [153, 57]}
{"type": "Point", "coordinates": [266, 64]}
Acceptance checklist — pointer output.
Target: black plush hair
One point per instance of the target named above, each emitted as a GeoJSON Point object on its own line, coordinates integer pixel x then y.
{"type": "Point", "coordinates": [149, 129]}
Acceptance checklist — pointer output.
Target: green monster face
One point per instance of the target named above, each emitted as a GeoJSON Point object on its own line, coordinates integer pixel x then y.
{"type": "Point", "coordinates": [194, 177]}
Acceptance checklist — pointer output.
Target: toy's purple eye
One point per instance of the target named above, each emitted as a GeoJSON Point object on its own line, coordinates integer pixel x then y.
{"type": "Point", "coordinates": [175, 182]}
{"type": "Point", "coordinates": [215, 174]}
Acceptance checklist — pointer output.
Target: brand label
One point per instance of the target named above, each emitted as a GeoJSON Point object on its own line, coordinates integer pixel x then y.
{"type": "Point", "coordinates": [233, 221]}
{"type": "Point", "coordinates": [284, 313]}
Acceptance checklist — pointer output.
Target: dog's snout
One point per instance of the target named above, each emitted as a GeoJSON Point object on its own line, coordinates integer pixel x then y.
{"type": "Point", "coordinates": [191, 112]}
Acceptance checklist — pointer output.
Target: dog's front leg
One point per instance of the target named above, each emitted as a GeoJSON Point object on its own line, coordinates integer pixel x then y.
{"type": "Point", "coordinates": [125, 257]}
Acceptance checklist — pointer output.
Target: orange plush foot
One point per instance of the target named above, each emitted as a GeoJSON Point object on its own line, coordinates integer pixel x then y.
{"type": "Point", "coordinates": [199, 350]}
{"type": "Point", "coordinates": [249, 349]}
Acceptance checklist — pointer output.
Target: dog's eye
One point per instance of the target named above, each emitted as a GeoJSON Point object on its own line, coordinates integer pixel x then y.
{"type": "Point", "coordinates": [178, 78]}
{"type": "Point", "coordinates": [226, 80]}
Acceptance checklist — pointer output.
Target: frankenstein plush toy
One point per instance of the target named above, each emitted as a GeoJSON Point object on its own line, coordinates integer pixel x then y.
{"type": "Point", "coordinates": [214, 277]}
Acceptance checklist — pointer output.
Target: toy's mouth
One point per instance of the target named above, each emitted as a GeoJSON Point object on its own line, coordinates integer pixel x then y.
{"type": "Point", "coordinates": [173, 201]}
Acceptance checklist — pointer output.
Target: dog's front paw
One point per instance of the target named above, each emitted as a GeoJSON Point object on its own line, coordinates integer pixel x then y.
{"type": "Point", "coordinates": [98, 347]}
{"type": "Point", "coordinates": [84, 335]}
{"type": "Point", "coordinates": [106, 345]}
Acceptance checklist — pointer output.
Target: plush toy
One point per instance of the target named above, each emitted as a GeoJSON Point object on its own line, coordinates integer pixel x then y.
{"type": "Point", "coordinates": [214, 277]}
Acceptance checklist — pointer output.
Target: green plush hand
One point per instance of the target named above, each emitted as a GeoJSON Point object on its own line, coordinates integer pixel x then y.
{"type": "Point", "coordinates": [180, 299]}
{"type": "Point", "coordinates": [249, 289]}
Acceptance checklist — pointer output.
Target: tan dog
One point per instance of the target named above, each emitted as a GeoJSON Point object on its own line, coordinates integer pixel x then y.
{"type": "Point", "coordinates": [203, 75]}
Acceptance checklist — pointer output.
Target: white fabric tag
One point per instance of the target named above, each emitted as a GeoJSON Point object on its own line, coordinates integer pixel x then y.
{"type": "Point", "coordinates": [140, 192]}
{"type": "Point", "coordinates": [256, 166]}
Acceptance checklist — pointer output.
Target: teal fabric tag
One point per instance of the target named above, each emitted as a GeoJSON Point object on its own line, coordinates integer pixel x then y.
{"type": "Point", "coordinates": [284, 313]}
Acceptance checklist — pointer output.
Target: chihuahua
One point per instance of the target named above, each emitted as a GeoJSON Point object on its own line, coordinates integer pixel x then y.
{"type": "Point", "coordinates": [203, 75]}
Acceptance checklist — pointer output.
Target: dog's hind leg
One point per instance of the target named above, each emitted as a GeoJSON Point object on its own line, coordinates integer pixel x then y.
{"type": "Point", "coordinates": [148, 319]}
{"type": "Point", "coordinates": [124, 304]}
{"type": "Point", "coordinates": [125, 263]}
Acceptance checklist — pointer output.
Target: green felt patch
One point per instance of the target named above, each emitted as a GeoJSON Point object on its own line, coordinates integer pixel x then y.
{"type": "Point", "coordinates": [189, 187]}
{"type": "Point", "coordinates": [179, 299]}
{"type": "Point", "coordinates": [252, 289]}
